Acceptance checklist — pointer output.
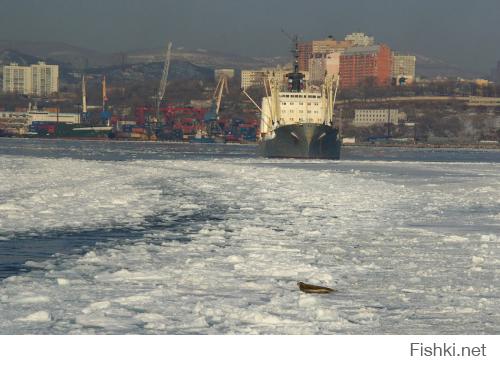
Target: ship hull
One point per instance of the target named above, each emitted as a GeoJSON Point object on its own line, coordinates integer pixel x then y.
{"type": "Point", "coordinates": [308, 140]}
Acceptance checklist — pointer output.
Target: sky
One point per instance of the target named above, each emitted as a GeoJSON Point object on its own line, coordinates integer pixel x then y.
{"type": "Point", "coordinates": [460, 32]}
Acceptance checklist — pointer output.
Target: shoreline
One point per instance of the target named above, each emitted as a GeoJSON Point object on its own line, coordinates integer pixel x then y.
{"type": "Point", "coordinates": [427, 145]}
{"type": "Point", "coordinates": [485, 146]}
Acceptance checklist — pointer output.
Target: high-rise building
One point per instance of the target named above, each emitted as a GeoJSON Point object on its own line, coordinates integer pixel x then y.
{"type": "Point", "coordinates": [45, 79]}
{"type": "Point", "coordinates": [305, 52]}
{"type": "Point", "coordinates": [17, 79]}
{"type": "Point", "coordinates": [317, 67]}
{"type": "Point", "coordinates": [360, 39]}
{"type": "Point", "coordinates": [497, 73]}
{"type": "Point", "coordinates": [39, 79]}
{"type": "Point", "coordinates": [330, 45]}
{"type": "Point", "coordinates": [403, 68]}
{"type": "Point", "coordinates": [359, 65]}
{"type": "Point", "coordinates": [308, 50]}
{"type": "Point", "coordinates": [324, 64]}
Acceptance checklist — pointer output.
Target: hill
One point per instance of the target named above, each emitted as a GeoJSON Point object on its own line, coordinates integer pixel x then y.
{"type": "Point", "coordinates": [24, 52]}
{"type": "Point", "coordinates": [431, 67]}
{"type": "Point", "coordinates": [60, 53]}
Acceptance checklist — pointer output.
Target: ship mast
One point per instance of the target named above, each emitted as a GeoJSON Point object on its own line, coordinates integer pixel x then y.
{"type": "Point", "coordinates": [274, 85]}
{"type": "Point", "coordinates": [295, 78]}
{"type": "Point", "coordinates": [330, 97]}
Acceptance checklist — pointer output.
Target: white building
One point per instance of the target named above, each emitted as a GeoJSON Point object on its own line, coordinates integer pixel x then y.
{"type": "Point", "coordinates": [317, 67]}
{"type": "Point", "coordinates": [50, 117]}
{"type": "Point", "coordinates": [39, 79]}
{"type": "Point", "coordinates": [368, 117]}
{"type": "Point", "coordinates": [403, 68]}
{"type": "Point", "coordinates": [45, 79]}
{"type": "Point", "coordinates": [360, 39]}
{"type": "Point", "coordinates": [483, 101]}
{"type": "Point", "coordinates": [227, 72]}
{"type": "Point", "coordinates": [17, 79]}
{"type": "Point", "coordinates": [324, 64]}
{"type": "Point", "coordinates": [251, 78]}
{"type": "Point", "coordinates": [14, 117]}
{"type": "Point", "coordinates": [255, 78]}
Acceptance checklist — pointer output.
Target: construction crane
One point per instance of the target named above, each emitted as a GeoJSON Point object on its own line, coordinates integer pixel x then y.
{"type": "Point", "coordinates": [212, 116]}
{"type": "Point", "coordinates": [163, 82]}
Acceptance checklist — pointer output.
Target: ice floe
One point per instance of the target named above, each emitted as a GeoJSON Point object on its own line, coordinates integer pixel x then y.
{"type": "Point", "coordinates": [219, 245]}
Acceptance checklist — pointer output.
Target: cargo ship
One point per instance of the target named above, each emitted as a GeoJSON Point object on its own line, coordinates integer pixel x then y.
{"type": "Point", "coordinates": [298, 123]}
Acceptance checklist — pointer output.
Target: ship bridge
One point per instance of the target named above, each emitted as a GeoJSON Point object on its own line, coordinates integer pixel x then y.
{"type": "Point", "coordinates": [301, 107]}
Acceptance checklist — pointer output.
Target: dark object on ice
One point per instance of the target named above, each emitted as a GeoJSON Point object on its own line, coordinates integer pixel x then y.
{"type": "Point", "coordinates": [314, 289]}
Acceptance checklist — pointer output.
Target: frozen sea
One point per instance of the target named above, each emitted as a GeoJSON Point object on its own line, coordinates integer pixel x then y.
{"type": "Point", "coordinates": [152, 238]}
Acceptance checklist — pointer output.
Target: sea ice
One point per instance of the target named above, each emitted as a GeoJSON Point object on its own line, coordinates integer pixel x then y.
{"type": "Point", "coordinates": [217, 246]}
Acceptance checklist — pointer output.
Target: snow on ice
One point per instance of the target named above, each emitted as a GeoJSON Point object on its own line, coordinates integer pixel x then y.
{"type": "Point", "coordinates": [412, 248]}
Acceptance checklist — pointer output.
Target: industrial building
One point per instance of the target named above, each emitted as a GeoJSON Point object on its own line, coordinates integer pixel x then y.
{"type": "Point", "coordinates": [403, 68]}
{"type": "Point", "coordinates": [359, 65]}
{"type": "Point", "coordinates": [40, 116]}
{"type": "Point", "coordinates": [369, 117]}
{"type": "Point", "coordinates": [20, 123]}
{"type": "Point", "coordinates": [40, 79]}
{"type": "Point", "coordinates": [483, 101]}
{"type": "Point", "coordinates": [53, 117]}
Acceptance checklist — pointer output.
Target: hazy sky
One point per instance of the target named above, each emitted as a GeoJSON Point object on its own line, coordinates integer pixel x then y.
{"type": "Point", "coordinates": [463, 32]}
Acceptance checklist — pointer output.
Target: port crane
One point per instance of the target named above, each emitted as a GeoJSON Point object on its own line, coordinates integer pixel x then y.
{"type": "Point", "coordinates": [163, 82]}
{"type": "Point", "coordinates": [212, 116]}
{"type": "Point", "coordinates": [161, 90]}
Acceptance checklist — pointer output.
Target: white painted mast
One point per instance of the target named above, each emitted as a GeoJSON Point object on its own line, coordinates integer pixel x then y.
{"type": "Point", "coordinates": [329, 97]}
{"type": "Point", "coordinates": [84, 95]}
